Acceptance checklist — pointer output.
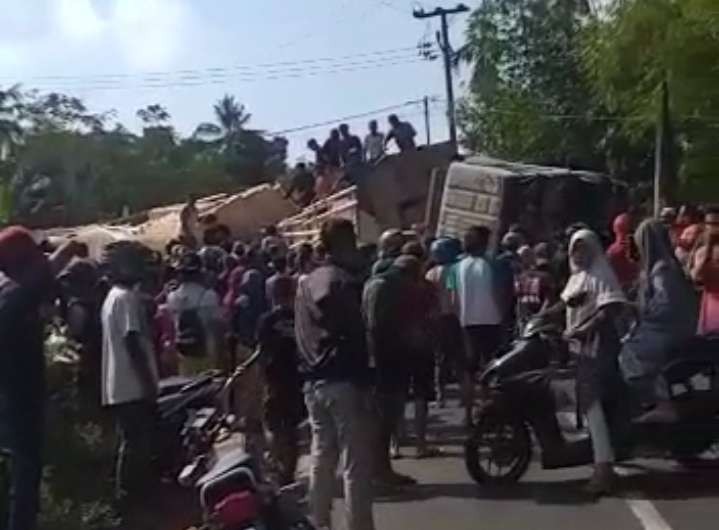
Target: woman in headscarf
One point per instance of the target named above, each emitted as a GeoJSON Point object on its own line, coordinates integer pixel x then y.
{"type": "Point", "coordinates": [667, 318]}
{"type": "Point", "coordinates": [594, 299]}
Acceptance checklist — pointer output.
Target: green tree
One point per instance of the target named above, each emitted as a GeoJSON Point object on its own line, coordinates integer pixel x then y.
{"type": "Point", "coordinates": [639, 50]}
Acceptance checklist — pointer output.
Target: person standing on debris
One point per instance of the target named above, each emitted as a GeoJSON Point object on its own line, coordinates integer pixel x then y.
{"type": "Point", "coordinates": [351, 147]}
{"type": "Point", "coordinates": [189, 223]}
{"type": "Point", "coordinates": [402, 133]}
{"type": "Point", "coordinates": [25, 284]}
{"type": "Point", "coordinates": [332, 149]}
{"type": "Point", "coordinates": [373, 143]}
{"type": "Point", "coordinates": [336, 367]}
{"type": "Point", "coordinates": [320, 156]}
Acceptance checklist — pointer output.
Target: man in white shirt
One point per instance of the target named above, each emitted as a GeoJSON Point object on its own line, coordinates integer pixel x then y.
{"type": "Point", "coordinates": [480, 311]}
{"type": "Point", "coordinates": [193, 295]}
{"type": "Point", "coordinates": [129, 381]}
{"type": "Point", "coordinates": [373, 143]}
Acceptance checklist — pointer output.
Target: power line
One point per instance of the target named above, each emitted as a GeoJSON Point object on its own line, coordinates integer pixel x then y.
{"type": "Point", "coordinates": [345, 118]}
{"type": "Point", "coordinates": [377, 55]}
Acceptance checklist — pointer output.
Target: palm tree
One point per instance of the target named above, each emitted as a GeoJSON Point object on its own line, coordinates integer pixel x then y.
{"type": "Point", "coordinates": [231, 120]}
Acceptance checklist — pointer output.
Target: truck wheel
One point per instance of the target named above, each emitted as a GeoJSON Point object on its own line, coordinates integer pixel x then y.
{"type": "Point", "coordinates": [499, 449]}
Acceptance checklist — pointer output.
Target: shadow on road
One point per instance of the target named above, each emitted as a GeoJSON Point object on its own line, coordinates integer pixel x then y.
{"type": "Point", "coordinates": [567, 492]}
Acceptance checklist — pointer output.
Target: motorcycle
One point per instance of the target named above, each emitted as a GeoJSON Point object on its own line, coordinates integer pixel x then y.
{"type": "Point", "coordinates": [520, 406]}
{"type": "Point", "coordinates": [234, 490]}
{"type": "Point", "coordinates": [187, 409]}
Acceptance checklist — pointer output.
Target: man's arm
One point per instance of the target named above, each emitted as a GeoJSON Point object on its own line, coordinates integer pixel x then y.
{"type": "Point", "coordinates": [61, 257]}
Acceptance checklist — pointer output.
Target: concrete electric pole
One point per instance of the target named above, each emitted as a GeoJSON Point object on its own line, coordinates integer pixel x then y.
{"type": "Point", "coordinates": [447, 54]}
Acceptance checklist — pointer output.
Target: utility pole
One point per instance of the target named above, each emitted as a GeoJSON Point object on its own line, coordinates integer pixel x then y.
{"type": "Point", "coordinates": [426, 117]}
{"type": "Point", "coordinates": [447, 54]}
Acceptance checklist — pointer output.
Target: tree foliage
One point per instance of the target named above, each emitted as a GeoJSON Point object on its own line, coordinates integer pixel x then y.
{"type": "Point", "coordinates": [66, 165]}
{"type": "Point", "coordinates": [563, 82]}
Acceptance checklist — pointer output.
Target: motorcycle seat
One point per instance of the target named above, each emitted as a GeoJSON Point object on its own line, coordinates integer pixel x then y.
{"type": "Point", "coordinates": [699, 356]}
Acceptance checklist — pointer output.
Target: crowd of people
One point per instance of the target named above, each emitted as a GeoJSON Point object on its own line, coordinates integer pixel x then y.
{"type": "Point", "coordinates": [346, 334]}
{"type": "Point", "coordinates": [337, 159]}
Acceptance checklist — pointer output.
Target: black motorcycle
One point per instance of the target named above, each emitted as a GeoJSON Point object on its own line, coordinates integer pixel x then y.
{"type": "Point", "coordinates": [520, 406]}
{"type": "Point", "coordinates": [187, 409]}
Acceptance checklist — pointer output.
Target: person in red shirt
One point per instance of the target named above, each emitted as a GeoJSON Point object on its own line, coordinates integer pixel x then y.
{"type": "Point", "coordinates": [619, 253]}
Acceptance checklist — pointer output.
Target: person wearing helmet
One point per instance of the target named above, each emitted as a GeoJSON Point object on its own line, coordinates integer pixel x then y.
{"type": "Point", "coordinates": [390, 247]}
{"type": "Point", "coordinates": [444, 253]}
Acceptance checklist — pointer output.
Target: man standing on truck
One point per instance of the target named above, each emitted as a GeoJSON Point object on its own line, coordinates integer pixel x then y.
{"type": "Point", "coordinates": [373, 143]}
{"type": "Point", "coordinates": [402, 133]}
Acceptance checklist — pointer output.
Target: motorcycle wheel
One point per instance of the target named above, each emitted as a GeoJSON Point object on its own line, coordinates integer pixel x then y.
{"type": "Point", "coordinates": [499, 450]}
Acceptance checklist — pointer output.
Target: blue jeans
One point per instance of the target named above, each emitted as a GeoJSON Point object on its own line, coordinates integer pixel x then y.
{"type": "Point", "coordinates": [26, 470]}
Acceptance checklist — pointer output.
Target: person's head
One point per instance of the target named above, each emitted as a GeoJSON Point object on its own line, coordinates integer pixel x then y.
{"type": "Point", "coordinates": [373, 126]}
{"type": "Point", "coordinates": [542, 251]}
{"type": "Point", "coordinates": [571, 230]}
{"type": "Point", "coordinates": [476, 240]}
{"type": "Point", "coordinates": [390, 243]}
{"type": "Point", "coordinates": [393, 120]}
{"type": "Point", "coordinates": [668, 216]}
{"type": "Point", "coordinates": [338, 237]}
{"type": "Point", "coordinates": [409, 266]}
{"type": "Point", "coordinates": [334, 134]}
{"type": "Point", "coordinates": [270, 231]}
{"type": "Point", "coordinates": [230, 263]}
{"type": "Point", "coordinates": [305, 257]}
{"type": "Point", "coordinates": [21, 258]}
{"type": "Point", "coordinates": [313, 145]}
{"type": "Point", "coordinates": [344, 130]}
{"type": "Point", "coordinates": [653, 244]}
{"type": "Point", "coordinates": [711, 221]}
{"type": "Point", "coordinates": [688, 215]}
{"type": "Point", "coordinates": [209, 220]}
{"type": "Point", "coordinates": [584, 248]}
{"type": "Point", "coordinates": [279, 264]}
{"type": "Point", "coordinates": [527, 260]}
{"type": "Point", "coordinates": [622, 226]}
{"type": "Point", "coordinates": [319, 253]}
{"type": "Point", "coordinates": [190, 268]}
{"type": "Point", "coordinates": [445, 250]}
{"type": "Point", "coordinates": [281, 293]}
{"type": "Point", "coordinates": [238, 250]}
{"type": "Point", "coordinates": [413, 248]}
{"type": "Point", "coordinates": [79, 279]}
{"type": "Point", "coordinates": [512, 241]}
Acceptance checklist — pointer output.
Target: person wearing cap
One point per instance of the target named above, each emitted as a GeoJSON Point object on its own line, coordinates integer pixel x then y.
{"type": "Point", "coordinates": [192, 294]}
{"type": "Point", "coordinates": [26, 283]}
{"type": "Point", "coordinates": [390, 247]}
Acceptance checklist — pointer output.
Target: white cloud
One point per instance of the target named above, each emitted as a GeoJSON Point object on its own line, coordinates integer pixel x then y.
{"type": "Point", "coordinates": [77, 19]}
{"type": "Point", "coordinates": [150, 33]}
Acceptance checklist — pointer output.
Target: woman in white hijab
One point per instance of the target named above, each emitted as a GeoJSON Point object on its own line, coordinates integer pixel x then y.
{"type": "Point", "coordinates": [594, 301]}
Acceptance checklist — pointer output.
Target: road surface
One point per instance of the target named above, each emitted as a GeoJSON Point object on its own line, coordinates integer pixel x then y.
{"type": "Point", "coordinates": [654, 495]}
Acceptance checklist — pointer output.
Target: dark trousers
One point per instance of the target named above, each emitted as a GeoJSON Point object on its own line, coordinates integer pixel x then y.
{"type": "Point", "coordinates": [24, 445]}
{"type": "Point", "coordinates": [390, 408]}
{"type": "Point", "coordinates": [135, 430]}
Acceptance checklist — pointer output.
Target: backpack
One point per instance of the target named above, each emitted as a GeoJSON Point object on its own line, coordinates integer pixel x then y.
{"type": "Point", "coordinates": [191, 336]}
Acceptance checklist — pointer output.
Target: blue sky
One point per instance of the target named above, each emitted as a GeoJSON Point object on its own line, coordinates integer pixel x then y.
{"type": "Point", "coordinates": [108, 52]}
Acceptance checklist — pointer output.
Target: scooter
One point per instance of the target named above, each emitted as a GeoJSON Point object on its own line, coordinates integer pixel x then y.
{"type": "Point", "coordinates": [520, 406]}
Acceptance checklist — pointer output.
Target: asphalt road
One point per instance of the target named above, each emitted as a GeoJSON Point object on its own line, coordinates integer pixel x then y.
{"type": "Point", "coordinates": [653, 495]}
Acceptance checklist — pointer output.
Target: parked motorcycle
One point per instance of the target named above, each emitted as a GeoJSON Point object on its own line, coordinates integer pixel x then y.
{"type": "Point", "coordinates": [234, 489]}
{"type": "Point", "coordinates": [187, 411]}
{"type": "Point", "coordinates": [520, 406]}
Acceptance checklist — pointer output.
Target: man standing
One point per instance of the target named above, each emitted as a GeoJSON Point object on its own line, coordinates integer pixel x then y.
{"type": "Point", "coordinates": [189, 223]}
{"type": "Point", "coordinates": [198, 318]}
{"type": "Point", "coordinates": [402, 133]}
{"type": "Point", "coordinates": [332, 149]}
{"type": "Point", "coordinates": [480, 312]}
{"type": "Point", "coordinates": [129, 373]}
{"type": "Point", "coordinates": [25, 284]}
{"type": "Point", "coordinates": [334, 362]}
{"type": "Point", "coordinates": [351, 147]}
{"type": "Point", "coordinates": [373, 143]}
